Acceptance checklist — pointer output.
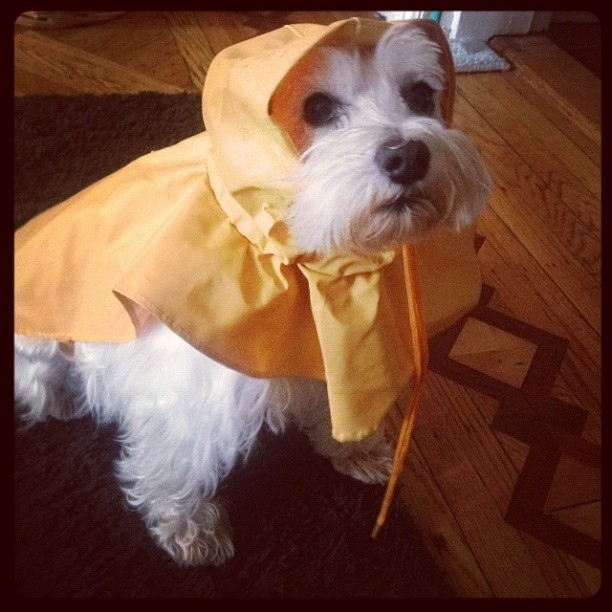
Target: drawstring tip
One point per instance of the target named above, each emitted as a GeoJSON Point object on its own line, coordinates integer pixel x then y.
{"type": "Point", "coordinates": [376, 530]}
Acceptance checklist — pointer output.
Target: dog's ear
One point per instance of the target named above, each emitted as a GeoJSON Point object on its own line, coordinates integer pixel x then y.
{"type": "Point", "coordinates": [434, 32]}
{"type": "Point", "coordinates": [287, 103]}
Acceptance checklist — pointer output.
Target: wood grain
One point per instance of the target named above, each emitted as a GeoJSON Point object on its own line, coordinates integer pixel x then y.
{"type": "Point", "coordinates": [555, 75]}
{"type": "Point", "coordinates": [520, 200]}
{"type": "Point", "coordinates": [192, 44]}
{"type": "Point", "coordinates": [79, 71]}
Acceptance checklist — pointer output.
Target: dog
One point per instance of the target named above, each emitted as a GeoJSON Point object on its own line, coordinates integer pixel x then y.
{"type": "Point", "coordinates": [378, 169]}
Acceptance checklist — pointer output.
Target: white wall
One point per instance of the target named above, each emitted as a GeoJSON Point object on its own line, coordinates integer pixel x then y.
{"type": "Point", "coordinates": [481, 25]}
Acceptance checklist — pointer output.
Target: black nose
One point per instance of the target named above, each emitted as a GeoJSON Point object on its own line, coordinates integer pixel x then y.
{"type": "Point", "coordinates": [403, 162]}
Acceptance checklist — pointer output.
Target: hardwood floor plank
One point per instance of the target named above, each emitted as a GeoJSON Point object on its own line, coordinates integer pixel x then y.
{"type": "Point", "coordinates": [223, 29]}
{"type": "Point", "coordinates": [588, 576]}
{"type": "Point", "coordinates": [66, 65]}
{"type": "Point", "coordinates": [564, 579]}
{"type": "Point", "coordinates": [587, 138]}
{"type": "Point", "coordinates": [584, 496]}
{"type": "Point", "coordinates": [493, 351]}
{"type": "Point", "coordinates": [529, 131]}
{"type": "Point", "coordinates": [574, 89]}
{"type": "Point", "coordinates": [26, 83]}
{"type": "Point", "coordinates": [137, 40]}
{"type": "Point", "coordinates": [520, 199]}
{"type": "Point", "coordinates": [193, 45]}
{"type": "Point", "coordinates": [514, 449]}
{"type": "Point", "coordinates": [477, 480]}
{"type": "Point", "coordinates": [577, 371]}
{"type": "Point", "coordinates": [551, 562]}
{"type": "Point", "coordinates": [442, 534]}
{"type": "Point", "coordinates": [528, 294]}
{"type": "Point", "coordinates": [562, 575]}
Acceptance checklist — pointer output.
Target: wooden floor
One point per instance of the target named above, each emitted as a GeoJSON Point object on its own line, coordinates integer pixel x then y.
{"type": "Point", "coordinates": [503, 478]}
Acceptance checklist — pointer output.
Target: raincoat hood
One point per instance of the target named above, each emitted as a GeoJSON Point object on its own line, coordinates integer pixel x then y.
{"type": "Point", "coordinates": [252, 155]}
{"type": "Point", "coordinates": [193, 235]}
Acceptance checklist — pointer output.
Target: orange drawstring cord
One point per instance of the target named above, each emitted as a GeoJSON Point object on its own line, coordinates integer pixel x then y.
{"type": "Point", "coordinates": [421, 360]}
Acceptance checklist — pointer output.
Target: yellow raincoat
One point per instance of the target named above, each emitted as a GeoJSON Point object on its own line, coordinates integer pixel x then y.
{"type": "Point", "coordinates": [193, 235]}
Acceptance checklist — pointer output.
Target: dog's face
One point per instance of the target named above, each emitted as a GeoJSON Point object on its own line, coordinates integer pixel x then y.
{"type": "Point", "coordinates": [380, 168]}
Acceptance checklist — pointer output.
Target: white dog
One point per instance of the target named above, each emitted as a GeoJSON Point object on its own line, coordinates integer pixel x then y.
{"type": "Point", "coordinates": [379, 169]}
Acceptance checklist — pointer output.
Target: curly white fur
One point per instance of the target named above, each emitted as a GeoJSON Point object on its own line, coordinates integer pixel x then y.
{"type": "Point", "coordinates": [184, 421]}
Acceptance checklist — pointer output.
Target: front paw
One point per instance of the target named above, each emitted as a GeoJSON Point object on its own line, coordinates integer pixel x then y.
{"type": "Point", "coordinates": [369, 461]}
{"type": "Point", "coordinates": [204, 539]}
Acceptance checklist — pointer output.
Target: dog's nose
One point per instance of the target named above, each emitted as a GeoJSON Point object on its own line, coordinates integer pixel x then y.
{"type": "Point", "coordinates": [403, 162]}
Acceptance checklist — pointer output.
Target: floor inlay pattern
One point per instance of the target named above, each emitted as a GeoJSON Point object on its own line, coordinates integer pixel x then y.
{"type": "Point", "coordinates": [516, 364]}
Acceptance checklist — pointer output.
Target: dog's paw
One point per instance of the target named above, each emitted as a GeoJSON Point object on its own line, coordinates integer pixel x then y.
{"type": "Point", "coordinates": [369, 461]}
{"type": "Point", "coordinates": [204, 539]}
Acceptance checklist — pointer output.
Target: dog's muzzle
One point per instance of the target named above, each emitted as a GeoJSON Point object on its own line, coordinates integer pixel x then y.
{"type": "Point", "coordinates": [403, 162]}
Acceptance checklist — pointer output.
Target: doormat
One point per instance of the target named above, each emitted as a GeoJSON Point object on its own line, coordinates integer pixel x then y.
{"type": "Point", "coordinates": [476, 56]}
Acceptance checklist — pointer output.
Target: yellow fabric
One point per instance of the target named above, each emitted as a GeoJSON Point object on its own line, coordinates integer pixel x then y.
{"type": "Point", "coordinates": [193, 235]}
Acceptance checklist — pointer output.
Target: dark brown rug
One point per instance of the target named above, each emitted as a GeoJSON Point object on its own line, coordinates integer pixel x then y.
{"type": "Point", "coordinates": [301, 529]}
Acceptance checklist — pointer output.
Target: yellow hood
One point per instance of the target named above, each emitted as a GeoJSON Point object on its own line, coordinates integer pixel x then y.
{"type": "Point", "coordinates": [193, 235]}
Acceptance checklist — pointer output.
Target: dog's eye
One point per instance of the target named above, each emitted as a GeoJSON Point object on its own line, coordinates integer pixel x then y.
{"type": "Point", "coordinates": [321, 109]}
{"type": "Point", "coordinates": [419, 97]}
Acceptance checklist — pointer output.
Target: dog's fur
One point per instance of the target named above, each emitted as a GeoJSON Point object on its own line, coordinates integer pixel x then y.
{"type": "Point", "coordinates": [380, 169]}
